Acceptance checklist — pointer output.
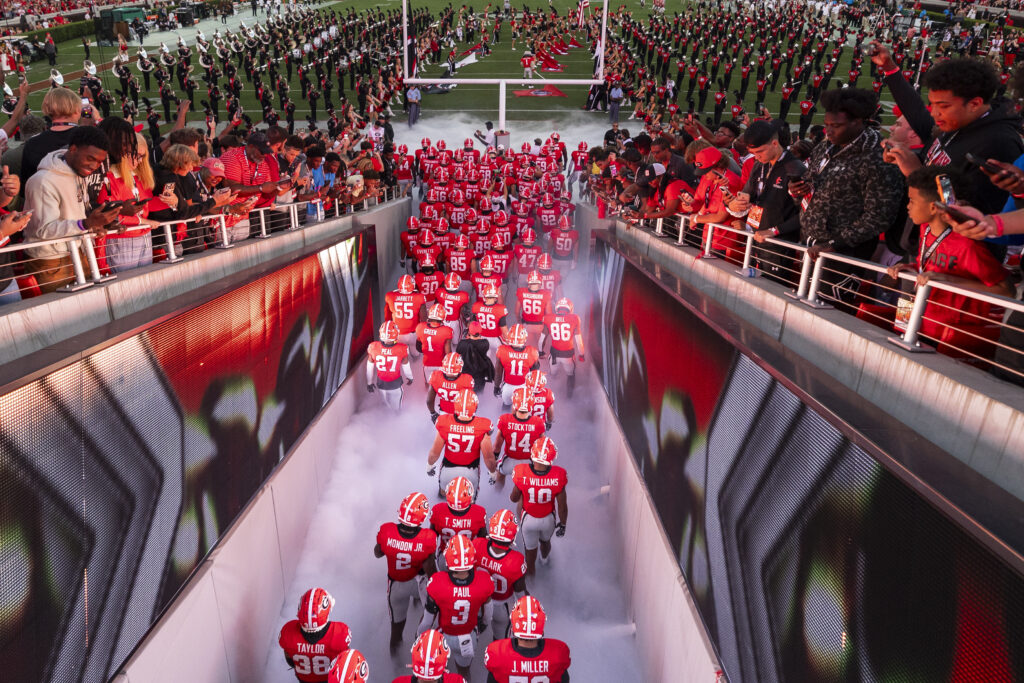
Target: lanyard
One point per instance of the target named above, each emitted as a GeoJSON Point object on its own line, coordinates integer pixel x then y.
{"type": "Point", "coordinates": [925, 255]}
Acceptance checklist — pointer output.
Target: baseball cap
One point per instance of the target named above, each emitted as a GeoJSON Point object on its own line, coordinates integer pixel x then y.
{"type": "Point", "coordinates": [214, 166]}
{"type": "Point", "coordinates": [258, 139]}
{"type": "Point", "coordinates": [706, 158]}
{"type": "Point", "coordinates": [648, 173]}
{"type": "Point", "coordinates": [475, 328]}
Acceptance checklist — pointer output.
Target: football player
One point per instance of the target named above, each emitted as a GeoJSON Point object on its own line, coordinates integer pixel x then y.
{"type": "Point", "coordinates": [538, 488]}
{"type": "Point", "coordinates": [492, 317]}
{"type": "Point", "coordinates": [542, 399]}
{"type": "Point", "coordinates": [430, 656]}
{"type": "Point", "coordinates": [532, 304]}
{"type": "Point", "coordinates": [409, 238]}
{"type": "Point", "coordinates": [512, 361]}
{"type": "Point", "coordinates": [527, 657]}
{"type": "Point", "coordinates": [410, 550]}
{"type": "Point", "coordinates": [456, 598]}
{"type": "Point", "coordinates": [455, 301]}
{"type": "Point", "coordinates": [350, 667]}
{"type": "Point", "coordinates": [428, 280]}
{"type": "Point", "coordinates": [458, 258]}
{"type": "Point", "coordinates": [445, 384]}
{"type": "Point", "coordinates": [507, 568]}
{"type": "Point", "coordinates": [525, 255]}
{"type": "Point", "coordinates": [464, 438]}
{"type": "Point", "coordinates": [485, 277]}
{"type": "Point", "coordinates": [550, 280]}
{"type": "Point", "coordinates": [457, 515]}
{"type": "Point", "coordinates": [516, 432]}
{"type": "Point", "coordinates": [565, 243]}
{"type": "Point", "coordinates": [563, 327]}
{"type": "Point", "coordinates": [387, 363]}
{"type": "Point", "coordinates": [433, 340]}
{"type": "Point", "coordinates": [311, 642]}
{"type": "Point", "coordinates": [501, 256]}
{"type": "Point", "coordinates": [404, 306]}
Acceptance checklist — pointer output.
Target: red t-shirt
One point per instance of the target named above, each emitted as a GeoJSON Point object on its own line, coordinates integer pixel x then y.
{"type": "Point", "coordinates": [405, 556]}
{"type": "Point", "coordinates": [312, 661]}
{"type": "Point", "coordinates": [240, 169]}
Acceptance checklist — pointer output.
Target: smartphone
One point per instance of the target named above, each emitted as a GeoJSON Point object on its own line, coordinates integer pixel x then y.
{"type": "Point", "coordinates": [953, 212]}
{"type": "Point", "coordinates": [143, 201]}
{"type": "Point", "coordinates": [168, 188]}
{"type": "Point", "coordinates": [982, 163]}
{"type": "Point", "coordinates": [112, 205]}
{"type": "Point", "coordinates": [945, 187]}
{"type": "Point", "coordinates": [85, 102]}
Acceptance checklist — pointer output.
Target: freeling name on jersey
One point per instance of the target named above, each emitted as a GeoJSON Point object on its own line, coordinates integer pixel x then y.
{"type": "Point", "coordinates": [399, 544]}
{"type": "Point", "coordinates": [530, 666]}
{"type": "Point", "coordinates": [461, 428]}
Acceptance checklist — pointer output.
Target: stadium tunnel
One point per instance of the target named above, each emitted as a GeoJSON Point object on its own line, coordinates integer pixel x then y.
{"type": "Point", "coordinates": [187, 450]}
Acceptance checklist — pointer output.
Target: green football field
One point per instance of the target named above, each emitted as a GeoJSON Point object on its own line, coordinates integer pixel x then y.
{"type": "Point", "coordinates": [479, 102]}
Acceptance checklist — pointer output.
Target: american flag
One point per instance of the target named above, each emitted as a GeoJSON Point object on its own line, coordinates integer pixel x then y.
{"type": "Point", "coordinates": [581, 12]}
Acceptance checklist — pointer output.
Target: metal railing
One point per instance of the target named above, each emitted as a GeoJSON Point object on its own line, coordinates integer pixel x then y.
{"type": "Point", "coordinates": [185, 236]}
{"type": "Point", "coordinates": [920, 323]}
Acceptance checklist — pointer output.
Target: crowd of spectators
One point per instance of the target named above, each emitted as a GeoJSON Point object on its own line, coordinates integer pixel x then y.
{"type": "Point", "coordinates": [86, 174]}
{"type": "Point", "coordinates": [852, 188]}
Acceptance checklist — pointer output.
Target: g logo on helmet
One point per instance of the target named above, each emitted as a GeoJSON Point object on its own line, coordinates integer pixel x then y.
{"type": "Point", "coordinates": [364, 669]}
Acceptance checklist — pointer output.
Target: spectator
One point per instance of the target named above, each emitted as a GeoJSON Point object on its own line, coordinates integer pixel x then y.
{"type": "Point", "coordinates": [63, 107]}
{"type": "Point", "coordinates": [717, 185]}
{"type": "Point", "coordinates": [16, 116]}
{"type": "Point", "coordinates": [247, 171]}
{"type": "Point", "coordinates": [945, 256]}
{"type": "Point", "coordinates": [56, 195]}
{"type": "Point", "coordinates": [474, 348]}
{"type": "Point", "coordinates": [675, 165]}
{"type": "Point", "coordinates": [179, 197]}
{"type": "Point", "coordinates": [849, 195]}
{"type": "Point", "coordinates": [30, 127]}
{"type": "Point", "coordinates": [10, 224]}
{"type": "Point", "coordinates": [130, 180]}
{"type": "Point", "coordinates": [413, 98]}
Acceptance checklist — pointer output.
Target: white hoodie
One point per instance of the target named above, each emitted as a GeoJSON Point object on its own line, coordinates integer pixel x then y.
{"type": "Point", "coordinates": [56, 195]}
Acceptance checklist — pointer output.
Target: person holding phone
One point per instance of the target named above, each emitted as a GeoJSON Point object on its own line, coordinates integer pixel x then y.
{"type": "Point", "coordinates": [129, 180]}
{"type": "Point", "coordinates": [10, 224]}
{"type": "Point", "coordinates": [717, 186]}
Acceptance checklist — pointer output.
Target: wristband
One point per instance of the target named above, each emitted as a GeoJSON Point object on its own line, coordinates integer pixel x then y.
{"type": "Point", "coordinates": [1000, 226]}
{"type": "Point", "coordinates": [81, 226]}
{"type": "Point", "coordinates": [775, 232]}
{"type": "Point", "coordinates": [886, 74]}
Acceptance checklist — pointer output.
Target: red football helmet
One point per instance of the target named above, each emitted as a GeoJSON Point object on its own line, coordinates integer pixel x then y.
{"type": "Point", "coordinates": [458, 197]}
{"type": "Point", "coordinates": [388, 332]}
{"type": "Point", "coordinates": [499, 241]}
{"type": "Point", "coordinates": [441, 175]}
{"type": "Point", "coordinates": [487, 263]}
{"type": "Point", "coordinates": [522, 400]}
{"type": "Point", "coordinates": [528, 618]}
{"type": "Point", "coordinates": [452, 281]}
{"type": "Point", "coordinates": [460, 556]}
{"type": "Point", "coordinates": [563, 304]}
{"type": "Point", "coordinates": [502, 526]}
{"type": "Point", "coordinates": [349, 667]}
{"type": "Point", "coordinates": [461, 242]}
{"type": "Point", "coordinates": [459, 157]}
{"type": "Point", "coordinates": [547, 200]}
{"type": "Point", "coordinates": [533, 279]}
{"type": "Point", "coordinates": [472, 215]}
{"type": "Point", "coordinates": [426, 238]}
{"type": "Point", "coordinates": [563, 222]}
{"type": "Point", "coordinates": [406, 285]}
{"type": "Point", "coordinates": [413, 510]}
{"type": "Point", "coordinates": [442, 145]}
{"type": "Point", "coordinates": [490, 292]}
{"type": "Point", "coordinates": [523, 208]}
{"type": "Point", "coordinates": [473, 175]}
{"type": "Point", "coordinates": [425, 143]}
{"type": "Point", "coordinates": [441, 225]}
{"type": "Point", "coordinates": [452, 364]}
{"type": "Point", "coordinates": [413, 223]}
{"type": "Point", "coordinates": [517, 336]}
{"type": "Point", "coordinates": [315, 607]}
{"type": "Point", "coordinates": [556, 137]}
{"type": "Point", "coordinates": [430, 655]}
{"type": "Point", "coordinates": [500, 217]}
{"type": "Point", "coordinates": [459, 493]}
{"type": "Point", "coordinates": [427, 262]}
{"type": "Point", "coordinates": [544, 262]}
{"type": "Point", "coordinates": [468, 143]}
{"type": "Point", "coordinates": [536, 380]}
{"type": "Point", "coordinates": [543, 451]}
{"type": "Point", "coordinates": [582, 147]}
{"type": "Point", "coordinates": [525, 148]}
{"type": "Point", "coordinates": [528, 236]}
{"type": "Point", "coordinates": [429, 211]}
{"type": "Point", "coordinates": [436, 312]}
{"type": "Point", "coordinates": [465, 405]}
{"type": "Point", "coordinates": [432, 195]}
{"type": "Point", "coordinates": [403, 150]}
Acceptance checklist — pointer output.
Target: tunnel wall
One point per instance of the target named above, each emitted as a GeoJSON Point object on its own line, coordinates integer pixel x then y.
{"type": "Point", "coordinates": [124, 465]}
{"type": "Point", "coordinates": [811, 541]}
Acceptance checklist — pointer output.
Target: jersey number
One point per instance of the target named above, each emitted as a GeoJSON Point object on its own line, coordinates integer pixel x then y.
{"type": "Point", "coordinates": [462, 608]}
{"type": "Point", "coordinates": [500, 583]}
{"type": "Point", "coordinates": [529, 679]}
{"type": "Point", "coordinates": [515, 368]}
{"type": "Point", "coordinates": [404, 310]}
{"type": "Point", "coordinates": [533, 306]}
{"type": "Point", "coordinates": [519, 443]}
{"type": "Point", "coordinates": [539, 496]}
{"type": "Point", "coordinates": [487, 320]}
{"type": "Point", "coordinates": [563, 244]}
{"type": "Point", "coordinates": [386, 363]}
{"type": "Point", "coordinates": [430, 342]}
{"type": "Point", "coordinates": [305, 665]}
{"type": "Point", "coordinates": [460, 443]}
{"type": "Point", "coordinates": [403, 561]}
{"type": "Point", "coordinates": [561, 331]}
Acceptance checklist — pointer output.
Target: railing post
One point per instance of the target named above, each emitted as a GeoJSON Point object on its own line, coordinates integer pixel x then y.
{"type": "Point", "coordinates": [90, 257]}
{"type": "Point", "coordinates": [805, 277]}
{"type": "Point", "coordinates": [225, 242]}
{"type": "Point", "coordinates": [909, 339]}
{"type": "Point", "coordinates": [293, 217]}
{"type": "Point", "coordinates": [76, 264]}
{"type": "Point", "coordinates": [263, 223]}
{"type": "Point", "coordinates": [684, 225]}
{"type": "Point", "coordinates": [812, 291]}
{"type": "Point", "coordinates": [657, 227]}
{"type": "Point", "coordinates": [746, 270]}
{"type": "Point", "coordinates": [172, 254]}
{"type": "Point", "coordinates": [710, 227]}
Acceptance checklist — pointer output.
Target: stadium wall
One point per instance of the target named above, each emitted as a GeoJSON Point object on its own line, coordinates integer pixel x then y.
{"type": "Point", "coordinates": [974, 416]}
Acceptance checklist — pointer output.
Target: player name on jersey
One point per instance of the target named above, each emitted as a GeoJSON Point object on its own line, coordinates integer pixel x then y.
{"type": "Point", "coordinates": [403, 545]}
{"type": "Point", "coordinates": [531, 667]}
{"type": "Point", "coordinates": [310, 648]}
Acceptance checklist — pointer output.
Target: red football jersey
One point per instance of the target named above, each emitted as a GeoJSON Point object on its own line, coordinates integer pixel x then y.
{"type": "Point", "coordinates": [542, 400]}
{"type": "Point", "coordinates": [459, 261]}
{"type": "Point", "coordinates": [432, 341]}
{"type": "Point", "coordinates": [518, 435]}
{"type": "Point", "coordinates": [433, 252]}
{"type": "Point", "coordinates": [446, 389]}
{"type": "Point", "coordinates": [526, 257]}
{"type": "Point", "coordinates": [443, 240]}
{"type": "Point", "coordinates": [457, 215]}
{"type": "Point", "coordinates": [507, 232]}
{"type": "Point", "coordinates": [447, 678]}
{"type": "Point", "coordinates": [480, 243]}
{"type": "Point", "coordinates": [459, 605]}
{"type": "Point", "coordinates": [409, 240]}
{"type": "Point", "coordinates": [427, 285]}
{"type": "Point", "coordinates": [447, 523]}
{"type": "Point", "coordinates": [404, 309]}
{"type": "Point", "coordinates": [562, 328]}
{"type": "Point", "coordinates": [403, 166]}
{"type": "Point", "coordinates": [481, 281]}
{"type": "Point", "coordinates": [547, 217]}
{"type": "Point", "coordinates": [312, 661]}
{"type": "Point", "coordinates": [491, 318]}
{"type": "Point", "coordinates": [405, 556]}
{"type": "Point", "coordinates": [550, 281]}
{"type": "Point", "coordinates": [462, 439]}
{"type": "Point", "coordinates": [533, 306]}
{"type": "Point", "coordinates": [502, 261]}
{"type": "Point", "coordinates": [516, 364]}
{"type": "Point", "coordinates": [504, 570]}
{"type": "Point", "coordinates": [388, 360]}
{"type": "Point", "coordinates": [563, 242]}
{"type": "Point", "coordinates": [539, 490]}
{"type": "Point", "coordinates": [547, 664]}
{"type": "Point", "coordinates": [452, 302]}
